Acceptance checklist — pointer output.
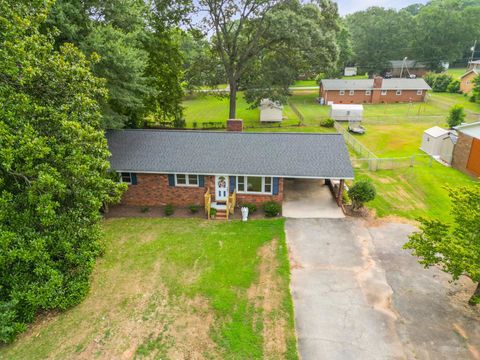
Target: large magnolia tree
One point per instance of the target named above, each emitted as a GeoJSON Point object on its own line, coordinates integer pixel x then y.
{"type": "Point", "coordinates": [53, 169]}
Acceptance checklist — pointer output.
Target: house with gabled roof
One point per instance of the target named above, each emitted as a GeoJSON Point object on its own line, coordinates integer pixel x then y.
{"type": "Point", "coordinates": [373, 91]}
{"type": "Point", "coordinates": [183, 167]}
{"type": "Point", "coordinates": [466, 80]}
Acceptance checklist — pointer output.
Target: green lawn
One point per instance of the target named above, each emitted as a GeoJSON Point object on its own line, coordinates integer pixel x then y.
{"type": "Point", "coordinates": [359, 76]}
{"type": "Point", "coordinates": [177, 288]}
{"type": "Point", "coordinates": [447, 100]}
{"type": "Point", "coordinates": [306, 103]}
{"type": "Point", "coordinates": [209, 108]}
{"type": "Point", "coordinates": [456, 72]}
{"type": "Point", "coordinates": [414, 191]}
{"type": "Point", "coordinates": [305, 83]}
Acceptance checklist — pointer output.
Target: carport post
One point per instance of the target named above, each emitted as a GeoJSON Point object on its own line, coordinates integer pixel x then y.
{"type": "Point", "coordinates": [340, 192]}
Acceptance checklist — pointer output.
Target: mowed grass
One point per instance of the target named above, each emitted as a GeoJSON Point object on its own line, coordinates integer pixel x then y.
{"type": "Point", "coordinates": [447, 100]}
{"type": "Point", "coordinates": [306, 103]}
{"type": "Point", "coordinates": [304, 83]}
{"type": "Point", "coordinates": [210, 108]}
{"type": "Point", "coordinates": [177, 288]}
{"type": "Point", "coordinates": [393, 140]}
{"type": "Point", "coordinates": [456, 72]}
{"type": "Point", "coordinates": [396, 130]}
{"type": "Point", "coordinates": [414, 192]}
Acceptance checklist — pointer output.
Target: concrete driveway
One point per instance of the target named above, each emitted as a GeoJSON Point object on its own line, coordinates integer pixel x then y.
{"type": "Point", "coordinates": [309, 198]}
{"type": "Point", "coordinates": [358, 295]}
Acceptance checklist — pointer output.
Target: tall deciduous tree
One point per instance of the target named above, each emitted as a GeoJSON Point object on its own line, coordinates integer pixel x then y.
{"type": "Point", "coordinates": [303, 40]}
{"type": "Point", "coordinates": [53, 169]}
{"type": "Point", "coordinates": [250, 34]}
{"type": "Point", "coordinates": [379, 35]}
{"type": "Point", "coordinates": [454, 247]}
{"type": "Point", "coordinates": [440, 34]}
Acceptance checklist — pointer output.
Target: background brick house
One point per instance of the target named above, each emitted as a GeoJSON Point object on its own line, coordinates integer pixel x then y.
{"type": "Point", "coordinates": [373, 91]}
{"type": "Point", "coordinates": [466, 154]}
{"type": "Point", "coordinates": [178, 167]}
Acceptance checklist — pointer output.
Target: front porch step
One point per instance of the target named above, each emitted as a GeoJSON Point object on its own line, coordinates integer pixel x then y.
{"type": "Point", "coordinates": [221, 215]}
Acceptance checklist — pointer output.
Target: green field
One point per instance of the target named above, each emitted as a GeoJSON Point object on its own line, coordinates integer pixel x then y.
{"type": "Point", "coordinates": [414, 192]}
{"type": "Point", "coordinates": [446, 100]}
{"type": "Point", "coordinates": [210, 108]}
{"type": "Point", "coordinates": [456, 72]}
{"type": "Point", "coordinates": [177, 288]}
{"type": "Point", "coordinates": [305, 83]}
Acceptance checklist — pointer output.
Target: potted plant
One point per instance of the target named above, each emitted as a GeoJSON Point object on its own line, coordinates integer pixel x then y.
{"type": "Point", "coordinates": [213, 213]}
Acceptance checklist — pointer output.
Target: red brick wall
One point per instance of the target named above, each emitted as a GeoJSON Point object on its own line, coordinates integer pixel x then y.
{"type": "Point", "coordinates": [461, 152]}
{"type": "Point", "coordinates": [359, 97]}
{"type": "Point", "coordinates": [153, 190]}
{"type": "Point", "coordinates": [260, 199]}
{"type": "Point", "coordinates": [234, 125]}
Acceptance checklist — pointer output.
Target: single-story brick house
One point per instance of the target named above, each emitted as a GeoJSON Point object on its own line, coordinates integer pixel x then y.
{"type": "Point", "coordinates": [179, 167]}
{"type": "Point", "coordinates": [466, 80]}
{"type": "Point", "coordinates": [466, 154]}
{"type": "Point", "coordinates": [373, 91]}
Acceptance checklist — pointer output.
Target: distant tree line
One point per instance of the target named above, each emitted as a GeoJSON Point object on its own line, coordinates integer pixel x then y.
{"type": "Point", "coordinates": [440, 31]}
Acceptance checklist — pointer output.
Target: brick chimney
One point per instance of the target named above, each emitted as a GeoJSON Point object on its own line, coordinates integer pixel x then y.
{"type": "Point", "coordinates": [234, 125]}
{"type": "Point", "coordinates": [377, 89]}
{"type": "Point", "coordinates": [377, 82]}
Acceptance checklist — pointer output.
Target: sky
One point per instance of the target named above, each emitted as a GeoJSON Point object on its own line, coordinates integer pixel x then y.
{"type": "Point", "coordinates": [349, 6]}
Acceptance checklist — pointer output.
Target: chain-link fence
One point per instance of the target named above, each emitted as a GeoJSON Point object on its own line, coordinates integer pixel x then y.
{"type": "Point", "coordinates": [374, 164]}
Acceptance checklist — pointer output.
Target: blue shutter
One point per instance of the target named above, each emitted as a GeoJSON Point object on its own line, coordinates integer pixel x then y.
{"type": "Point", "coordinates": [232, 183]}
{"type": "Point", "coordinates": [133, 178]}
{"type": "Point", "coordinates": [171, 180]}
{"type": "Point", "coordinates": [275, 185]}
{"type": "Point", "coordinates": [201, 180]}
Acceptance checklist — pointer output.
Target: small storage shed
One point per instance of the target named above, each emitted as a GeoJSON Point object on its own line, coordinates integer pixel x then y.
{"type": "Point", "coordinates": [432, 140]}
{"type": "Point", "coordinates": [270, 111]}
{"type": "Point", "coordinates": [350, 71]}
{"type": "Point", "coordinates": [346, 112]}
{"type": "Point", "coordinates": [446, 149]}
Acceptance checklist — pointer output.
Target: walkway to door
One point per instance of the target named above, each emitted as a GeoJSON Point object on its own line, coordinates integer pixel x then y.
{"type": "Point", "coordinates": [309, 198]}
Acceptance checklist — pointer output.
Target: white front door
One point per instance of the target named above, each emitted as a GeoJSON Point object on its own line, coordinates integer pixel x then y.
{"type": "Point", "coordinates": [221, 188]}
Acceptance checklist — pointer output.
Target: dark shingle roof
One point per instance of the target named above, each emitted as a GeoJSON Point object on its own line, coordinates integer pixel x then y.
{"type": "Point", "coordinates": [230, 153]}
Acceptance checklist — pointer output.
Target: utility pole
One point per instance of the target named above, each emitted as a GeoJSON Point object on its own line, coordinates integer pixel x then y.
{"type": "Point", "coordinates": [404, 63]}
{"type": "Point", "coordinates": [473, 51]}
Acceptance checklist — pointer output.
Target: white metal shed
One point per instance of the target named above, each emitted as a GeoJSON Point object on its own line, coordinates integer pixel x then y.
{"type": "Point", "coordinates": [432, 140]}
{"type": "Point", "coordinates": [350, 71]}
{"type": "Point", "coordinates": [346, 112]}
{"type": "Point", "coordinates": [270, 111]}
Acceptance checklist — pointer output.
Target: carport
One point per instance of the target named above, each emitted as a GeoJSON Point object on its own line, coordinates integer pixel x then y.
{"type": "Point", "coordinates": [312, 198]}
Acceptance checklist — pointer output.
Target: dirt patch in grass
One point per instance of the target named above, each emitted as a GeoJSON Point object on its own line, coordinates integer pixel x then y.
{"type": "Point", "coordinates": [266, 295]}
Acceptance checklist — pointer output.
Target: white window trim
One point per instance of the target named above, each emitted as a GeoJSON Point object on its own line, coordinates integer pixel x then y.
{"type": "Point", "coordinates": [341, 92]}
{"type": "Point", "coordinates": [383, 92]}
{"type": "Point", "coordinates": [368, 92]}
{"type": "Point", "coordinates": [121, 179]}
{"type": "Point", "coordinates": [351, 92]}
{"type": "Point", "coordinates": [187, 181]}
{"type": "Point", "coordinates": [419, 92]}
{"type": "Point", "coordinates": [398, 92]}
{"type": "Point", "coordinates": [263, 192]}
